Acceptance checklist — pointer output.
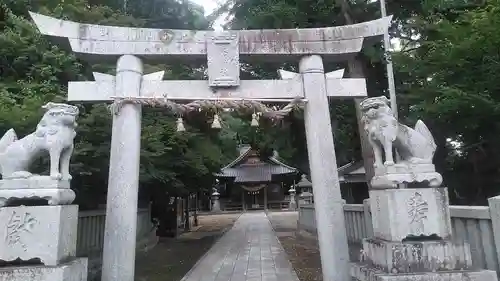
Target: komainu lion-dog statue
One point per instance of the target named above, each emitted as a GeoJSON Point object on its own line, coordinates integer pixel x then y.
{"type": "Point", "coordinates": [54, 134]}
{"type": "Point", "coordinates": [415, 147]}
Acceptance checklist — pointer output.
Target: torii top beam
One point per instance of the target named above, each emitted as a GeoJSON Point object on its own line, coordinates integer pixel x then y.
{"type": "Point", "coordinates": [109, 42]}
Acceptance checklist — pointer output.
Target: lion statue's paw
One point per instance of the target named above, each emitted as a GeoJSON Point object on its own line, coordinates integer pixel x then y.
{"type": "Point", "coordinates": [19, 175]}
{"type": "Point", "coordinates": [56, 176]}
{"type": "Point", "coordinates": [389, 163]}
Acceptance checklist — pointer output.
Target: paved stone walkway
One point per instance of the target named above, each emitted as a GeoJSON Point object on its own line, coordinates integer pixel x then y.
{"type": "Point", "coordinates": [250, 251]}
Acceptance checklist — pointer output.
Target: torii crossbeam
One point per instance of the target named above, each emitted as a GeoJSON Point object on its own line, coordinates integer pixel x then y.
{"type": "Point", "coordinates": [103, 89]}
{"type": "Point", "coordinates": [111, 42]}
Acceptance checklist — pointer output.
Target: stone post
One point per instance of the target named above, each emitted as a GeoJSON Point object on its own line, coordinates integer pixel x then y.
{"type": "Point", "coordinates": [244, 205]}
{"type": "Point", "coordinates": [265, 198]}
{"type": "Point", "coordinates": [368, 217]}
{"type": "Point", "coordinates": [293, 202]}
{"type": "Point", "coordinates": [494, 204]}
{"type": "Point", "coordinates": [215, 202]}
{"type": "Point", "coordinates": [323, 165]}
{"type": "Point", "coordinates": [121, 210]}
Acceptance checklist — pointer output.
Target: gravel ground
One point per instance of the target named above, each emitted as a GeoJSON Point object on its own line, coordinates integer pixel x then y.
{"type": "Point", "coordinates": [302, 250]}
{"type": "Point", "coordinates": [303, 253]}
{"type": "Point", "coordinates": [172, 258]}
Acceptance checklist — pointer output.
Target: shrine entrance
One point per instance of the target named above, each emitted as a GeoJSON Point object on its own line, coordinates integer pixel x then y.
{"type": "Point", "coordinates": [255, 200]}
{"type": "Point", "coordinates": [254, 197]}
{"type": "Point", "coordinates": [130, 89]}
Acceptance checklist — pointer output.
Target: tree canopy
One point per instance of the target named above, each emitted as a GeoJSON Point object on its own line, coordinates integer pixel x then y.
{"type": "Point", "coordinates": [445, 67]}
{"type": "Point", "coordinates": [34, 71]}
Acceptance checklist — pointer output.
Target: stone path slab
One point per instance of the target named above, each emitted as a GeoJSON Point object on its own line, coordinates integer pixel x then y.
{"type": "Point", "coordinates": [250, 251]}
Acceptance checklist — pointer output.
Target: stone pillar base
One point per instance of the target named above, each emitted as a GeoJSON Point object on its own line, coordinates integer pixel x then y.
{"type": "Point", "coordinates": [44, 233]}
{"type": "Point", "coordinates": [53, 196]}
{"type": "Point", "coordinates": [442, 260]}
{"type": "Point", "coordinates": [216, 206]}
{"type": "Point", "coordinates": [413, 257]}
{"type": "Point", "coordinates": [35, 188]}
{"type": "Point", "coordinates": [75, 270]}
{"type": "Point", "coordinates": [363, 272]}
{"type": "Point", "coordinates": [402, 214]}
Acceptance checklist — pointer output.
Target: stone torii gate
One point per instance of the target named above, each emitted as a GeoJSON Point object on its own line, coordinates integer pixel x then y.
{"type": "Point", "coordinates": [223, 51]}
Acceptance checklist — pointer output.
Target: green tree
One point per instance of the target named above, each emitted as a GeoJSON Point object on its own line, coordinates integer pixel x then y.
{"type": "Point", "coordinates": [451, 80]}
{"type": "Point", "coordinates": [445, 75]}
{"type": "Point", "coordinates": [258, 14]}
{"type": "Point", "coordinates": [34, 71]}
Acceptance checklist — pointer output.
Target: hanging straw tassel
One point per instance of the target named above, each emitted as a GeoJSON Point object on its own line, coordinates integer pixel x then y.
{"type": "Point", "coordinates": [216, 122]}
{"type": "Point", "coordinates": [255, 120]}
{"type": "Point", "coordinates": [180, 125]}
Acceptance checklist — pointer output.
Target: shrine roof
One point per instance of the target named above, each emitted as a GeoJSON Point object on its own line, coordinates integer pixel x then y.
{"type": "Point", "coordinates": [248, 168]}
{"type": "Point", "coordinates": [352, 172]}
{"type": "Point", "coordinates": [354, 167]}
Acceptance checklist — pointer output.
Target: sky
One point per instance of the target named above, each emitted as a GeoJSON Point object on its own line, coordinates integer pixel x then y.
{"type": "Point", "coordinates": [209, 5]}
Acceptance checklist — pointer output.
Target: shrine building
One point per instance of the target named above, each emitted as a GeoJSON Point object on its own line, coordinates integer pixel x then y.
{"type": "Point", "coordinates": [250, 183]}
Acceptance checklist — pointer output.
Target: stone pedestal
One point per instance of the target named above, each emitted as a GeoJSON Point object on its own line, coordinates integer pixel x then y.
{"type": "Point", "coordinates": [75, 270]}
{"type": "Point", "coordinates": [47, 233]}
{"type": "Point", "coordinates": [412, 240]}
{"type": "Point", "coordinates": [368, 273]}
{"type": "Point", "coordinates": [410, 257]}
{"type": "Point", "coordinates": [39, 242]}
{"type": "Point", "coordinates": [399, 214]}
{"type": "Point", "coordinates": [404, 173]}
{"type": "Point", "coordinates": [44, 188]}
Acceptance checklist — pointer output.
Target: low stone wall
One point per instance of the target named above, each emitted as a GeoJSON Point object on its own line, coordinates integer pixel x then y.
{"type": "Point", "coordinates": [90, 239]}
{"type": "Point", "coordinates": [95, 259]}
{"type": "Point", "coordinates": [477, 225]}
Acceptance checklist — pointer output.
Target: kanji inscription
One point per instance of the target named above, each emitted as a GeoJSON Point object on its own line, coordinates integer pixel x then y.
{"type": "Point", "coordinates": [16, 226]}
{"type": "Point", "coordinates": [417, 211]}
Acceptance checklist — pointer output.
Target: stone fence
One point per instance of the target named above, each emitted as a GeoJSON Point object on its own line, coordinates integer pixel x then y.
{"type": "Point", "coordinates": [91, 230]}
{"type": "Point", "coordinates": [477, 225]}
{"type": "Point", "coordinates": [90, 239]}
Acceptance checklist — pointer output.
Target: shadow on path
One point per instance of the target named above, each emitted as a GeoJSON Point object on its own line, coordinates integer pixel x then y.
{"type": "Point", "coordinates": [172, 258]}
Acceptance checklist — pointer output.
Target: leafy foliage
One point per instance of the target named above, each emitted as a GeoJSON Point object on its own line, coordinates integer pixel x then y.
{"type": "Point", "coordinates": [451, 80]}
{"type": "Point", "coordinates": [446, 75]}
{"type": "Point", "coordinates": [258, 14]}
{"type": "Point", "coordinates": [34, 71]}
